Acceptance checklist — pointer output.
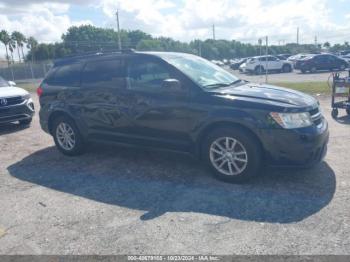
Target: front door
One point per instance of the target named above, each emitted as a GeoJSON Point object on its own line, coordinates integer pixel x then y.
{"type": "Point", "coordinates": [161, 117]}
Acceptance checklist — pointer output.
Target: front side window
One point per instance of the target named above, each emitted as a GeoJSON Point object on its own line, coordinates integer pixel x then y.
{"type": "Point", "coordinates": [104, 73]}
{"type": "Point", "coordinates": [201, 71]}
{"type": "Point", "coordinates": [146, 75]}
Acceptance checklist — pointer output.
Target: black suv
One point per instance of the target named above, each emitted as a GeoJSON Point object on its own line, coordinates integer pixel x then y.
{"type": "Point", "coordinates": [184, 103]}
{"type": "Point", "coordinates": [314, 63]}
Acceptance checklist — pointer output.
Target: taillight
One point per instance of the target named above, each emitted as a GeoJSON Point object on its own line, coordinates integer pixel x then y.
{"type": "Point", "coordinates": [39, 91]}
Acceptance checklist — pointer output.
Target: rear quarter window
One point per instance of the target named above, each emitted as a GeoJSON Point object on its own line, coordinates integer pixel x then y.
{"type": "Point", "coordinates": [66, 75]}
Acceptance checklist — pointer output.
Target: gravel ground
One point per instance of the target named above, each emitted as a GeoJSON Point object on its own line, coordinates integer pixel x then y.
{"type": "Point", "coordinates": [114, 200]}
{"type": "Point", "coordinates": [294, 76]}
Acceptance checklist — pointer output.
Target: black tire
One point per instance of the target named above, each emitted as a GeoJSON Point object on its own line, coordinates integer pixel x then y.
{"type": "Point", "coordinates": [251, 145]}
{"type": "Point", "coordinates": [335, 113]}
{"type": "Point", "coordinates": [286, 69]}
{"type": "Point", "coordinates": [303, 70]}
{"type": "Point", "coordinates": [79, 145]}
{"type": "Point", "coordinates": [348, 112]}
{"type": "Point", "coordinates": [259, 70]}
{"type": "Point", "coordinates": [26, 122]}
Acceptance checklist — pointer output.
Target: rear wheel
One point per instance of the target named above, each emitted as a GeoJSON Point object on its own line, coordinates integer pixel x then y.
{"type": "Point", "coordinates": [232, 155]}
{"type": "Point", "coordinates": [286, 69]}
{"type": "Point", "coordinates": [335, 113]}
{"type": "Point", "coordinates": [259, 70]}
{"type": "Point", "coordinates": [67, 136]}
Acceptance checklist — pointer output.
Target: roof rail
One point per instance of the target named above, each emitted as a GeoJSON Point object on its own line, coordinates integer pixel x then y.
{"type": "Point", "coordinates": [100, 52]}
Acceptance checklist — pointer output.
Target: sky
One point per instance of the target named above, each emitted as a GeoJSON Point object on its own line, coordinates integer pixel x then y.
{"type": "Point", "coordinates": [185, 20]}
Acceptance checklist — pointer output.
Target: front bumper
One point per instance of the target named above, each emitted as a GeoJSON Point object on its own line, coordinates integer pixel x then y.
{"type": "Point", "coordinates": [302, 147]}
{"type": "Point", "coordinates": [22, 111]}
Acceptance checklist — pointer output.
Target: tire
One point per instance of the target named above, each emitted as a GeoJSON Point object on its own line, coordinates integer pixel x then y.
{"type": "Point", "coordinates": [259, 70]}
{"type": "Point", "coordinates": [246, 164]}
{"type": "Point", "coordinates": [303, 71]}
{"type": "Point", "coordinates": [286, 69]}
{"type": "Point", "coordinates": [79, 145]}
{"type": "Point", "coordinates": [26, 122]}
{"type": "Point", "coordinates": [348, 112]}
{"type": "Point", "coordinates": [335, 113]}
{"type": "Point", "coordinates": [342, 67]}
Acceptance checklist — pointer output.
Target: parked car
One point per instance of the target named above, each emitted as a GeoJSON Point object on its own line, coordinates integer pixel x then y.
{"type": "Point", "coordinates": [16, 104]}
{"type": "Point", "coordinates": [314, 63]}
{"type": "Point", "coordinates": [180, 102]}
{"type": "Point", "coordinates": [283, 56]}
{"type": "Point", "coordinates": [260, 64]}
{"type": "Point", "coordinates": [293, 58]}
{"type": "Point", "coordinates": [236, 64]}
{"type": "Point", "coordinates": [346, 58]}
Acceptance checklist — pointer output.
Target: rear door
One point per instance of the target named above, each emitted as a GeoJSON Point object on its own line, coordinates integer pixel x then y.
{"type": "Point", "coordinates": [103, 98]}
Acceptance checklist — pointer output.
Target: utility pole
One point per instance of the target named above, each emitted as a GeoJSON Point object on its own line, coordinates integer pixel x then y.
{"type": "Point", "coordinates": [266, 64]}
{"type": "Point", "coordinates": [199, 48]}
{"type": "Point", "coordinates": [298, 36]}
{"type": "Point", "coordinates": [213, 31]}
{"type": "Point", "coordinates": [315, 41]}
{"type": "Point", "coordinates": [119, 40]}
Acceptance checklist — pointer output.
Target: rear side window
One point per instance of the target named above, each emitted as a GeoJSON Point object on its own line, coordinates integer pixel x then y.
{"type": "Point", "coordinates": [66, 75]}
{"type": "Point", "coordinates": [107, 73]}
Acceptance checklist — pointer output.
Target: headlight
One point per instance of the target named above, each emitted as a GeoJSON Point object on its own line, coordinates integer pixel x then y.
{"type": "Point", "coordinates": [26, 96]}
{"type": "Point", "coordinates": [292, 120]}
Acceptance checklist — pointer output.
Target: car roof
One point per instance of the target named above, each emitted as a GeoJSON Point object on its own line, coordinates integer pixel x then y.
{"type": "Point", "coordinates": [100, 55]}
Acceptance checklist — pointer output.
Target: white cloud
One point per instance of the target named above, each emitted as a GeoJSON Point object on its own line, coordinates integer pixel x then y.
{"type": "Point", "coordinates": [185, 19]}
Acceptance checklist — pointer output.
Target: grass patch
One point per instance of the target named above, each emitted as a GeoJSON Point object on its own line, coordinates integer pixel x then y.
{"type": "Point", "coordinates": [307, 87]}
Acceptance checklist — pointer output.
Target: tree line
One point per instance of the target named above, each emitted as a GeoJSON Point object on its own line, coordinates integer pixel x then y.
{"type": "Point", "coordinates": [88, 38]}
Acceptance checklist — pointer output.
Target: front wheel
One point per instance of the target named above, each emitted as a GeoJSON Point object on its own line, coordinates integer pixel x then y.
{"type": "Point", "coordinates": [233, 155]}
{"type": "Point", "coordinates": [25, 122]}
{"type": "Point", "coordinates": [67, 136]}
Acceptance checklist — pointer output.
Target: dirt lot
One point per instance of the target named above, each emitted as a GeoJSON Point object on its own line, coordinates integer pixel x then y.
{"type": "Point", "coordinates": [114, 200]}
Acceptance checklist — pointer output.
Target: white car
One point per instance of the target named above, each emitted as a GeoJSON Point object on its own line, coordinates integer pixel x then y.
{"type": "Point", "coordinates": [260, 64]}
{"type": "Point", "coordinates": [16, 104]}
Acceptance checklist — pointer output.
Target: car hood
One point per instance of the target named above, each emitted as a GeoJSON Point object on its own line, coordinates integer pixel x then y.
{"type": "Point", "coordinates": [11, 91]}
{"type": "Point", "coordinates": [269, 93]}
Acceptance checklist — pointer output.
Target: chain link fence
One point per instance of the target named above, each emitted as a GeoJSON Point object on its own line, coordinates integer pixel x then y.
{"type": "Point", "coordinates": [25, 72]}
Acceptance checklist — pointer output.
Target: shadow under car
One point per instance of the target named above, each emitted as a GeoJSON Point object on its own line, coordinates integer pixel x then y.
{"type": "Point", "coordinates": [158, 182]}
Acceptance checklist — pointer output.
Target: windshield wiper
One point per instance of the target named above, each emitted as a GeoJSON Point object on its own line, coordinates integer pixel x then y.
{"type": "Point", "coordinates": [224, 84]}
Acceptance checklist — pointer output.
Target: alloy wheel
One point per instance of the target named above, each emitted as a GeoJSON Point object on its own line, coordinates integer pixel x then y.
{"type": "Point", "coordinates": [228, 156]}
{"type": "Point", "coordinates": [65, 136]}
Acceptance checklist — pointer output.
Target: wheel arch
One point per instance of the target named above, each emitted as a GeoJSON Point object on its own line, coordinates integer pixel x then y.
{"type": "Point", "coordinates": [54, 115]}
{"type": "Point", "coordinates": [224, 124]}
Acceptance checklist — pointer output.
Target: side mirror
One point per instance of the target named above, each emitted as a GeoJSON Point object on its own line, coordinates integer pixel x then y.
{"type": "Point", "coordinates": [11, 83]}
{"type": "Point", "coordinates": [172, 85]}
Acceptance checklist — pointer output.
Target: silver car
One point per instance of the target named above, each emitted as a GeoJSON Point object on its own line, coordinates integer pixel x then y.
{"type": "Point", "coordinates": [15, 104]}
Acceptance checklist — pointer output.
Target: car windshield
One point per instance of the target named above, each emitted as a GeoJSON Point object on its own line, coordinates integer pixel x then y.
{"type": "Point", "coordinates": [3, 82]}
{"type": "Point", "coordinates": [203, 72]}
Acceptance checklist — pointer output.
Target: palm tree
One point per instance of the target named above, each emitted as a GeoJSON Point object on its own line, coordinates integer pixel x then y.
{"type": "Point", "coordinates": [5, 39]}
{"type": "Point", "coordinates": [12, 46]}
{"type": "Point", "coordinates": [19, 38]}
{"type": "Point", "coordinates": [32, 43]}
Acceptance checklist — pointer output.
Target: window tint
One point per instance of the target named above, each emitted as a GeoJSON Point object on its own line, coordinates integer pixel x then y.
{"type": "Point", "coordinates": [106, 73]}
{"type": "Point", "coordinates": [66, 75]}
{"type": "Point", "coordinates": [146, 75]}
{"type": "Point", "coordinates": [271, 58]}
